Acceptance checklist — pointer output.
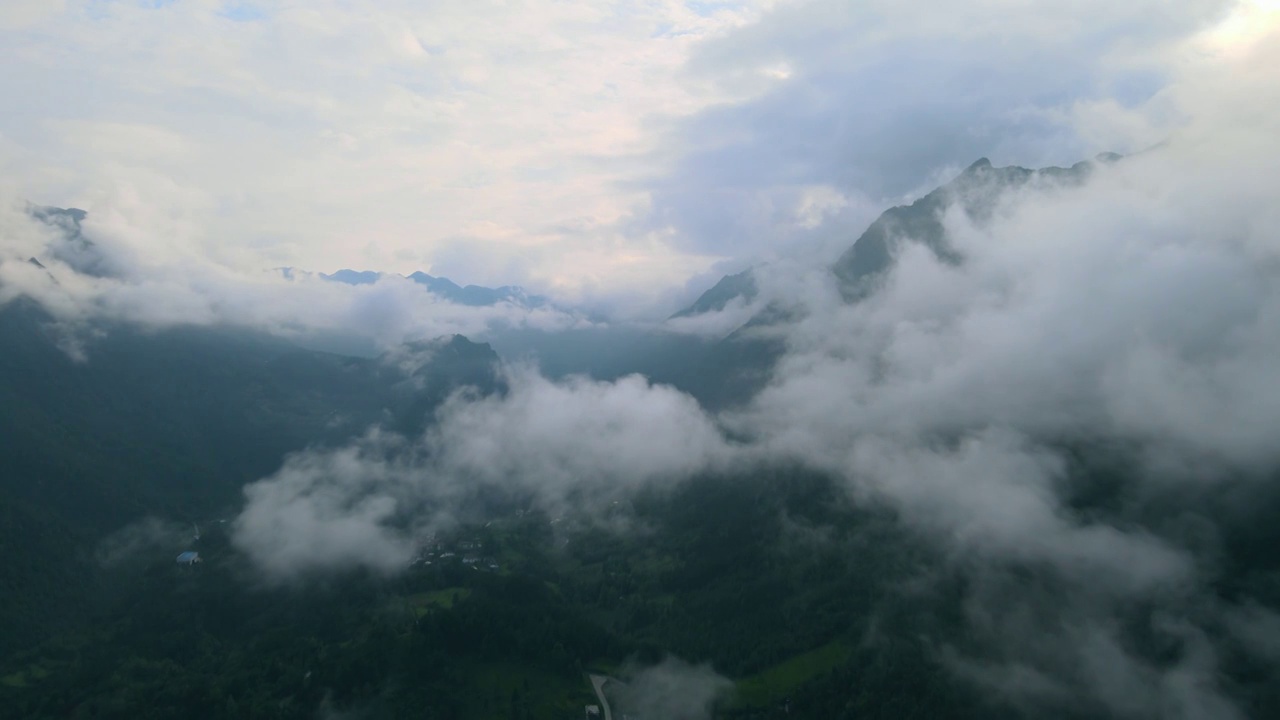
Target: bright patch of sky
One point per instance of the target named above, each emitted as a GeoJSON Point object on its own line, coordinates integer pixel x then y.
{"type": "Point", "coordinates": [584, 148]}
{"type": "Point", "coordinates": [243, 12]}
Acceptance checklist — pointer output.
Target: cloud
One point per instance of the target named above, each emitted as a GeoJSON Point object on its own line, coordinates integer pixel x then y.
{"type": "Point", "coordinates": [114, 278]}
{"type": "Point", "coordinates": [1081, 658]}
{"type": "Point", "coordinates": [25, 13]}
{"type": "Point", "coordinates": [1131, 319]}
{"type": "Point", "coordinates": [579, 433]}
{"type": "Point", "coordinates": [843, 108]}
{"type": "Point", "coordinates": [993, 498]}
{"type": "Point", "coordinates": [1258, 629]}
{"type": "Point", "coordinates": [339, 135]}
{"type": "Point", "coordinates": [326, 510]}
{"type": "Point", "coordinates": [148, 539]}
{"type": "Point", "coordinates": [599, 151]}
{"type": "Point", "coordinates": [717, 323]}
{"type": "Point", "coordinates": [671, 689]}
{"type": "Point", "coordinates": [573, 445]}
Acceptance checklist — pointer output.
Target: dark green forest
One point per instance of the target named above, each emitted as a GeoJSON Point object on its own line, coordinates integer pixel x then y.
{"type": "Point", "coordinates": [122, 447]}
{"type": "Point", "coordinates": [747, 588]}
{"type": "Point", "coordinates": [775, 579]}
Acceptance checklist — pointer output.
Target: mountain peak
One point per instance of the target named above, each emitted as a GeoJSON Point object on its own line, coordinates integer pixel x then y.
{"type": "Point", "coordinates": [72, 247]}
{"type": "Point", "coordinates": [353, 277]}
{"type": "Point", "coordinates": [976, 191]}
{"type": "Point", "coordinates": [728, 289]}
{"type": "Point", "coordinates": [54, 215]}
{"type": "Point", "coordinates": [473, 295]}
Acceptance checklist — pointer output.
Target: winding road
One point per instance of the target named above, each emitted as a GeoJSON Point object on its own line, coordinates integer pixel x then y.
{"type": "Point", "coordinates": [597, 684]}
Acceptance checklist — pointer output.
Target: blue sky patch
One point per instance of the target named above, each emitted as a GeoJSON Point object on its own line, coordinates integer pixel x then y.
{"type": "Point", "coordinates": [242, 12]}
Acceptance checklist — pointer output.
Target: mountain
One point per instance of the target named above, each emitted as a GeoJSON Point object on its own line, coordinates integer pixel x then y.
{"type": "Point", "coordinates": [473, 295]}
{"type": "Point", "coordinates": [729, 288]}
{"type": "Point", "coordinates": [976, 190]}
{"type": "Point", "coordinates": [354, 277]}
{"type": "Point", "coordinates": [173, 423]}
{"type": "Point", "coordinates": [476, 295]}
{"type": "Point", "coordinates": [729, 371]}
{"type": "Point", "coordinates": [71, 246]}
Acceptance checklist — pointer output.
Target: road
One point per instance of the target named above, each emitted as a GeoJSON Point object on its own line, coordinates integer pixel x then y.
{"type": "Point", "coordinates": [597, 684]}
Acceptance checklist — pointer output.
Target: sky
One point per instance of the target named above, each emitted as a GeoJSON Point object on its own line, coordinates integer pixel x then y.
{"type": "Point", "coordinates": [618, 154]}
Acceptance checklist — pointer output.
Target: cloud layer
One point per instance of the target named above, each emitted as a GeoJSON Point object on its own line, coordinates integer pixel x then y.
{"type": "Point", "coordinates": [565, 446]}
{"type": "Point", "coordinates": [1126, 325]}
{"type": "Point", "coordinates": [113, 279]}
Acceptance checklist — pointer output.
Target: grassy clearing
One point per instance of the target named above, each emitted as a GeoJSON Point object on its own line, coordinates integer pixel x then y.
{"type": "Point", "coordinates": [547, 694]}
{"type": "Point", "coordinates": [779, 681]}
{"type": "Point", "coordinates": [443, 599]}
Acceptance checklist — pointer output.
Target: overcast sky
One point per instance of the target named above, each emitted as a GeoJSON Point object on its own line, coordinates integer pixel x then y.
{"type": "Point", "coordinates": [587, 148]}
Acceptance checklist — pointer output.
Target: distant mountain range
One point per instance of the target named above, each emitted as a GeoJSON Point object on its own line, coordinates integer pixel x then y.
{"type": "Point", "coordinates": [718, 371]}
{"type": "Point", "coordinates": [473, 295]}
{"type": "Point", "coordinates": [81, 254]}
{"type": "Point", "coordinates": [858, 270]}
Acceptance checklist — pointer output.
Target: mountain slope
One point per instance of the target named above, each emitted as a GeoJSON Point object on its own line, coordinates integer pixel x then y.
{"type": "Point", "coordinates": [976, 191]}
{"type": "Point", "coordinates": [728, 371]}
{"type": "Point", "coordinates": [729, 288]}
{"type": "Point", "coordinates": [172, 423]}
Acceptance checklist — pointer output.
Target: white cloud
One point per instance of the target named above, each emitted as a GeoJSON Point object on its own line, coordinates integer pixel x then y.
{"type": "Point", "coordinates": [327, 510]}
{"type": "Point", "coordinates": [1138, 309]}
{"type": "Point", "coordinates": [578, 434]}
{"type": "Point", "coordinates": [878, 98]}
{"type": "Point", "coordinates": [570, 445]}
{"type": "Point", "coordinates": [134, 281]}
{"type": "Point", "coordinates": [671, 689]}
{"type": "Point", "coordinates": [21, 14]}
{"type": "Point", "coordinates": [331, 134]}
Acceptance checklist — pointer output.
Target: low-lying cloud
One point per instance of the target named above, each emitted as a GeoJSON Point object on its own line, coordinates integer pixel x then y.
{"type": "Point", "coordinates": [671, 689]}
{"type": "Point", "coordinates": [1132, 319]}
{"type": "Point", "coordinates": [178, 290]}
{"type": "Point", "coordinates": [572, 445]}
{"type": "Point", "coordinates": [143, 540]}
{"type": "Point", "coordinates": [1133, 315]}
